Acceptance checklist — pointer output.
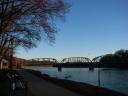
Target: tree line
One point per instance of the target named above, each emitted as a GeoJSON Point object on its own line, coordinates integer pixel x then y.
{"type": "Point", "coordinates": [118, 59]}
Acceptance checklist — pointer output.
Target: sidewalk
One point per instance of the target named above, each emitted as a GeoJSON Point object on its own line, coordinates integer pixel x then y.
{"type": "Point", "coordinates": [40, 87]}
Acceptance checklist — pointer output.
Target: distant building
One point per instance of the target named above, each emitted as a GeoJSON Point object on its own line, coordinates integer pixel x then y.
{"type": "Point", "coordinates": [18, 62]}
{"type": "Point", "coordinates": [4, 64]}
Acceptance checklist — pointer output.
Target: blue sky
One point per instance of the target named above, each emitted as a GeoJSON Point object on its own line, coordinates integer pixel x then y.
{"type": "Point", "coordinates": [92, 28]}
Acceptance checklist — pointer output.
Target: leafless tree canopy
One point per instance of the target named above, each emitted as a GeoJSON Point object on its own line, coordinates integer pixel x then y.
{"type": "Point", "coordinates": [30, 17]}
{"type": "Point", "coordinates": [23, 21]}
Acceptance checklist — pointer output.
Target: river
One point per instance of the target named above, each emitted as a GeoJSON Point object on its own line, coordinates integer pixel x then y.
{"type": "Point", "coordinates": [114, 79]}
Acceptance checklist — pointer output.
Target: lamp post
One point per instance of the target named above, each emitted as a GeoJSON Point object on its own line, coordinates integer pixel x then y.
{"type": "Point", "coordinates": [99, 74]}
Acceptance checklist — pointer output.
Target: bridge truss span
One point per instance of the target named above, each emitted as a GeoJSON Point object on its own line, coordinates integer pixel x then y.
{"type": "Point", "coordinates": [41, 61]}
{"type": "Point", "coordinates": [76, 60]}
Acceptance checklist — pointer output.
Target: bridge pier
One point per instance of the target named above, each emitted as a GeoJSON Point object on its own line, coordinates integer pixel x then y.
{"type": "Point", "coordinates": [59, 68]}
{"type": "Point", "coordinates": [91, 68]}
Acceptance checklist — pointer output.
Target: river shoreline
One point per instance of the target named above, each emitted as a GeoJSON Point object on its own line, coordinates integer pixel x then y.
{"type": "Point", "coordinates": [81, 88]}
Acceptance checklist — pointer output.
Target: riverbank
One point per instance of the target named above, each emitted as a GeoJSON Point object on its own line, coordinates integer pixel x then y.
{"type": "Point", "coordinates": [40, 87]}
{"type": "Point", "coordinates": [36, 86]}
{"type": "Point", "coordinates": [81, 88]}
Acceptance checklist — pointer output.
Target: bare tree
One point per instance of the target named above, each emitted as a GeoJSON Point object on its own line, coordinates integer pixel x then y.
{"type": "Point", "coordinates": [23, 22]}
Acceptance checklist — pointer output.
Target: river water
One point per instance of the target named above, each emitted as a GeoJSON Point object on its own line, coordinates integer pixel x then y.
{"type": "Point", "coordinates": [115, 79]}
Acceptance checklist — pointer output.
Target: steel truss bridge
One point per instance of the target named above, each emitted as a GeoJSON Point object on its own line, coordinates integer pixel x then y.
{"type": "Point", "coordinates": [76, 60]}
{"type": "Point", "coordinates": [97, 59]}
{"type": "Point", "coordinates": [71, 61]}
{"type": "Point", "coordinates": [41, 61]}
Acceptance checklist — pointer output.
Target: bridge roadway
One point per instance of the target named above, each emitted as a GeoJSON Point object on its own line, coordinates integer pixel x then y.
{"type": "Point", "coordinates": [39, 87]}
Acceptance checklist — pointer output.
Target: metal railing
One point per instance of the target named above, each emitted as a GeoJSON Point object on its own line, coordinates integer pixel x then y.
{"type": "Point", "coordinates": [18, 86]}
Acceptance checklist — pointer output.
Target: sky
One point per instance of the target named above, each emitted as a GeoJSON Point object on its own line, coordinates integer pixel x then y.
{"type": "Point", "coordinates": [92, 28]}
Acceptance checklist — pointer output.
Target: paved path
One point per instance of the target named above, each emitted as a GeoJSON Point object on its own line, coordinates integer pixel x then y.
{"type": "Point", "coordinates": [39, 87]}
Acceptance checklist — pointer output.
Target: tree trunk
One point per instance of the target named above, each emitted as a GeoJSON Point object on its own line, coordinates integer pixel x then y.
{"type": "Point", "coordinates": [10, 61]}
